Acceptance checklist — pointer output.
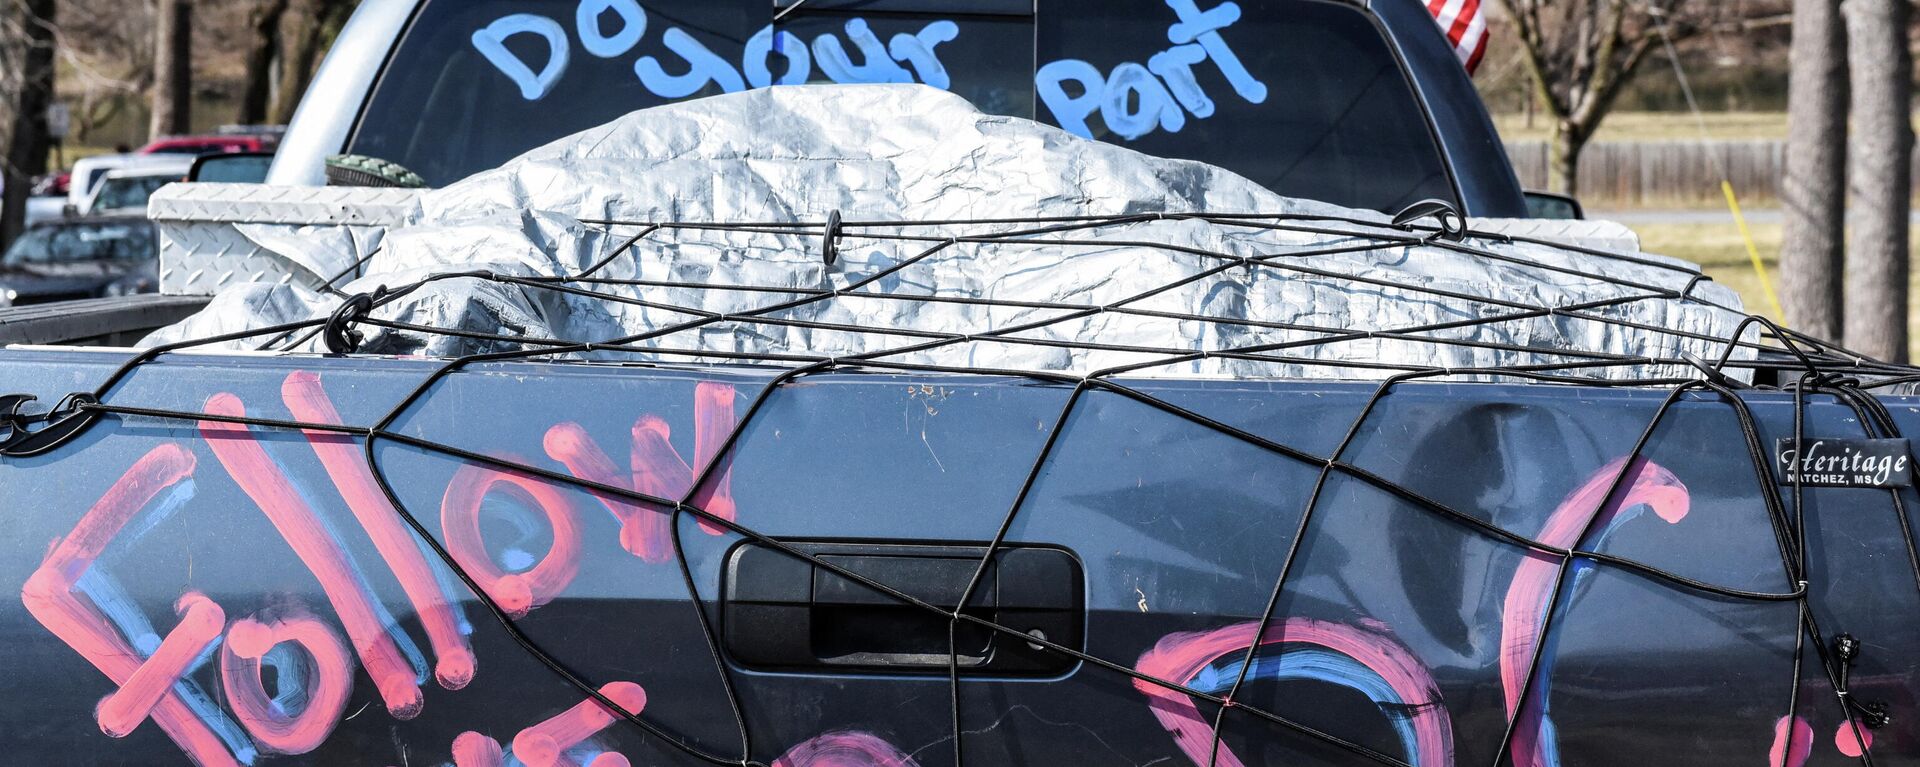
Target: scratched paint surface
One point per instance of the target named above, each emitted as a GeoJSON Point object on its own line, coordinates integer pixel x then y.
{"type": "Point", "coordinates": [212, 593]}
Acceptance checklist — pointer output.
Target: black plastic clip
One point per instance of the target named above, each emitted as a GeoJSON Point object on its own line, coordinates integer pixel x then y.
{"type": "Point", "coordinates": [339, 334]}
{"type": "Point", "coordinates": [1872, 714]}
{"type": "Point", "coordinates": [1836, 380]}
{"type": "Point", "coordinates": [830, 239]}
{"type": "Point", "coordinates": [1713, 373]}
{"type": "Point", "coordinates": [1453, 226]}
{"type": "Point", "coordinates": [12, 421]}
{"type": "Point", "coordinates": [66, 421]}
{"type": "Point", "coordinates": [1847, 649]}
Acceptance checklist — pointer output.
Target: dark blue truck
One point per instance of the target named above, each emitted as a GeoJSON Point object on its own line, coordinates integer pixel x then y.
{"type": "Point", "coordinates": [708, 557]}
{"type": "Point", "coordinates": [194, 589]}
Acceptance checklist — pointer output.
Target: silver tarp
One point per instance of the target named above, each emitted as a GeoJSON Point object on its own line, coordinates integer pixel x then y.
{"type": "Point", "coordinates": [911, 153]}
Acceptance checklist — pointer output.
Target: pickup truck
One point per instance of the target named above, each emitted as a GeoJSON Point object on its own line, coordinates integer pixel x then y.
{"type": "Point", "coordinates": [709, 556]}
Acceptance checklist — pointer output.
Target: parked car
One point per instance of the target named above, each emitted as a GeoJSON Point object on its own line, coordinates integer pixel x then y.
{"type": "Point", "coordinates": [45, 208]}
{"type": "Point", "coordinates": [88, 172]}
{"type": "Point", "coordinates": [45, 202]}
{"type": "Point", "coordinates": [125, 191]}
{"type": "Point", "coordinates": [75, 258]}
{"type": "Point", "coordinates": [210, 144]}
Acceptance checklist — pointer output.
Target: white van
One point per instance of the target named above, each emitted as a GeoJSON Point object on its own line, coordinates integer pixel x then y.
{"type": "Point", "coordinates": [125, 191]}
{"type": "Point", "coordinates": [90, 171]}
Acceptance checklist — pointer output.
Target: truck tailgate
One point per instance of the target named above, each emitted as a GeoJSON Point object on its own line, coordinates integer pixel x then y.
{"type": "Point", "coordinates": [1428, 573]}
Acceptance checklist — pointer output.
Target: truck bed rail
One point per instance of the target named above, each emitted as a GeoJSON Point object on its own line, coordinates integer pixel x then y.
{"type": "Point", "coordinates": [116, 321]}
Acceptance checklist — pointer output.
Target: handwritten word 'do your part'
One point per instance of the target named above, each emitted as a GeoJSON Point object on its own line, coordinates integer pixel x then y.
{"type": "Point", "coordinates": [880, 62]}
{"type": "Point", "coordinates": [1134, 99]}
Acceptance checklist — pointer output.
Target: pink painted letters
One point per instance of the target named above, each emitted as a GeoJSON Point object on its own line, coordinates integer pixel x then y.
{"type": "Point", "coordinates": [329, 679]}
{"type": "Point", "coordinates": [261, 478]}
{"type": "Point", "coordinates": [348, 468]}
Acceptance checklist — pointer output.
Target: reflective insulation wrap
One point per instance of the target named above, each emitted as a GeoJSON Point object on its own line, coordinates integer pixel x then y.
{"type": "Point", "coordinates": [716, 207]}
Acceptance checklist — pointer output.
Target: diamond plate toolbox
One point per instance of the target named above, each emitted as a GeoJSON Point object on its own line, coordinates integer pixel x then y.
{"type": "Point", "coordinates": [216, 235]}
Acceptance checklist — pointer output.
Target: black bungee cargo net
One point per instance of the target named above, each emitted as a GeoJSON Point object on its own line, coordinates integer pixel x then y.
{"type": "Point", "coordinates": [1761, 352]}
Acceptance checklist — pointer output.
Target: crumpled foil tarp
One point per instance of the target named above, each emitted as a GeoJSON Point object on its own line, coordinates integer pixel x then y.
{"type": "Point", "coordinates": [911, 153]}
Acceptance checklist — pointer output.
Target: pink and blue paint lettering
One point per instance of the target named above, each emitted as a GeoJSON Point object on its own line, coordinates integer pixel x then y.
{"type": "Point", "coordinates": [1646, 486]}
{"type": "Point", "coordinates": [1366, 660]}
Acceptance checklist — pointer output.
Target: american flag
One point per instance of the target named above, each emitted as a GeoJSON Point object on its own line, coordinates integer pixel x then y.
{"type": "Point", "coordinates": [1465, 26]}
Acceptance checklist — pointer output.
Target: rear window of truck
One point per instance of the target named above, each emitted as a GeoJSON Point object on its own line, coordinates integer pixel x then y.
{"type": "Point", "coordinates": [1303, 96]}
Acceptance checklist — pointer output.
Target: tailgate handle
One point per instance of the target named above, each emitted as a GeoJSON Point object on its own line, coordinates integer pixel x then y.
{"type": "Point", "coordinates": [782, 612]}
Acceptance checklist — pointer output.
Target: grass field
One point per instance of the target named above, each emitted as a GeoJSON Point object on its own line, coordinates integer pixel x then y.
{"type": "Point", "coordinates": [1716, 245]}
{"type": "Point", "coordinates": [1656, 126]}
{"type": "Point", "coordinates": [1718, 249]}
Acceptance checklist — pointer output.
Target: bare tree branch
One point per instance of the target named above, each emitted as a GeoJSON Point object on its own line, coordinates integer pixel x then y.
{"type": "Point", "coordinates": [1582, 54]}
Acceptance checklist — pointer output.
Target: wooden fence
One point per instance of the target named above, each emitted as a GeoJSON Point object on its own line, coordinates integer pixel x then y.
{"type": "Point", "coordinates": [1664, 173]}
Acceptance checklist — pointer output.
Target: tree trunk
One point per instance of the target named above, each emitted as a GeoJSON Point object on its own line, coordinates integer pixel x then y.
{"type": "Point", "coordinates": [1563, 159]}
{"type": "Point", "coordinates": [333, 19]}
{"type": "Point", "coordinates": [27, 143]}
{"type": "Point", "coordinates": [1814, 190]}
{"type": "Point", "coordinates": [263, 41]}
{"type": "Point", "coordinates": [1879, 156]}
{"type": "Point", "coordinates": [300, 31]}
{"type": "Point", "coordinates": [172, 69]}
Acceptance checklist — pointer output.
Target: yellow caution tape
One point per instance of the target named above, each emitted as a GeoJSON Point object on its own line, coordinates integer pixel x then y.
{"type": "Point", "coordinates": [1753, 251]}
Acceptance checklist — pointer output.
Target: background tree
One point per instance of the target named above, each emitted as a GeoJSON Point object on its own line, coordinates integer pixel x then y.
{"type": "Point", "coordinates": [1813, 194]}
{"type": "Point", "coordinates": [1879, 155]}
{"type": "Point", "coordinates": [172, 69]}
{"type": "Point", "coordinates": [26, 88]}
{"type": "Point", "coordinates": [106, 56]}
{"type": "Point", "coordinates": [1580, 55]}
{"type": "Point", "coordinates": [262, 46]}
{"type": "Point", "coordinates": [306, 29]}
